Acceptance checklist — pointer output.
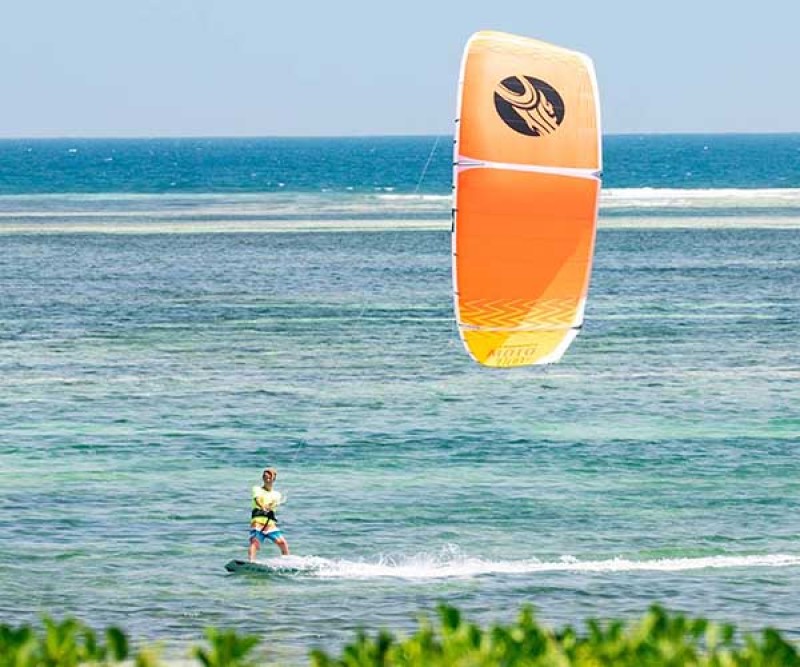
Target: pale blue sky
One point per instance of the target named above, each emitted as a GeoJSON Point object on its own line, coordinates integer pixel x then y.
{"type": "Point", "coordinates": [277, 67]}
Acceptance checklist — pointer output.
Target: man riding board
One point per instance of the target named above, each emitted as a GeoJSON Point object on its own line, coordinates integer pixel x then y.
{"type": "Point", "coordinates": [263, 523]}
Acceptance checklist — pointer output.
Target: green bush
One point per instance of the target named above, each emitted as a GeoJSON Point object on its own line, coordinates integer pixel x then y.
{"type": "Point", "coordinates": [65, 644]}
{"type": "Point", "coordinates": [659, 639]}
{"type": "Point", "coordinates": [227, 649]}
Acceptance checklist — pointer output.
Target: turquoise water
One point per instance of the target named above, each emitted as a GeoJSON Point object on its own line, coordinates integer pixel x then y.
{"type": "Point", "coordinates": [159, 349]}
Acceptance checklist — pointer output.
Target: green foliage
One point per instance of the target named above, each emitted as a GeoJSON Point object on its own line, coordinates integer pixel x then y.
{"type": "Point", "coordinates": [227, 649]}
{"type": "Point", "coordinates": [659, 639]}
{"type": "Point", "coordinates": [60, 644]}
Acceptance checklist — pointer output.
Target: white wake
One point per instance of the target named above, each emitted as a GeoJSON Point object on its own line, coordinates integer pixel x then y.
{"type": "Point", "coordinates": [454, 565]}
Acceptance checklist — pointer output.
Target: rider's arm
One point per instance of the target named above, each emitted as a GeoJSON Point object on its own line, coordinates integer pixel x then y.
{"type": "Point", "coordinates": [261, 500]}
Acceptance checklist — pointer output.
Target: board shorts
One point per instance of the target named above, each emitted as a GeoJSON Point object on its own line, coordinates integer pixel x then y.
{"type": "Point", "coordinates": [273, 535]}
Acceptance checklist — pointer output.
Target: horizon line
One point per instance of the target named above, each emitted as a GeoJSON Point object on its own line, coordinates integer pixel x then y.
{"type": "Point", "coordinates": [156, 137]}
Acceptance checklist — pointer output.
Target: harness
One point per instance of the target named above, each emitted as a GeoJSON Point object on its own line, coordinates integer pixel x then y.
{"type": "Point", "coordinates": [269, 515]}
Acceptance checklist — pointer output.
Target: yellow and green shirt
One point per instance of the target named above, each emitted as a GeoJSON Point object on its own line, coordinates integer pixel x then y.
{"type": "Point", "coordinates": [266, 500]}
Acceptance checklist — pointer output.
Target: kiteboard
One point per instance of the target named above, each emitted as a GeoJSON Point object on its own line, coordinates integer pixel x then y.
{"type": "Point", "coordinates": [278, 566]}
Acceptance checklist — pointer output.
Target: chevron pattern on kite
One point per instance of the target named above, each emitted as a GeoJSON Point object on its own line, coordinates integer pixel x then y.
{"type": "Point", "coordinates": [511, 314]}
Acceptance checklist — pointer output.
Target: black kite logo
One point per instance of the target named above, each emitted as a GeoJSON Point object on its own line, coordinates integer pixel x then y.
{"type": "Point", "coordinates": [529, 106]}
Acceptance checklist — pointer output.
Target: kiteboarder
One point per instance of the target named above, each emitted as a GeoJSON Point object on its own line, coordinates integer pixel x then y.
{"type": "Point", "coordinates": [263, 523]}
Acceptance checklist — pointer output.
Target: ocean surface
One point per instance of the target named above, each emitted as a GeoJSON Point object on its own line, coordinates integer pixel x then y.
{"type": "Point", "coordinates": [175, 315]}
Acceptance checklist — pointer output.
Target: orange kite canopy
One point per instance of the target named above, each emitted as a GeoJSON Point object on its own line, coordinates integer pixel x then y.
{"type": "Point", "coordinates": [527, 182]}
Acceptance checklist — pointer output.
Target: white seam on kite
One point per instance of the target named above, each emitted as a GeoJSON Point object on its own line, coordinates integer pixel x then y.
{"type": "Point", "coordinates": [577, 172]}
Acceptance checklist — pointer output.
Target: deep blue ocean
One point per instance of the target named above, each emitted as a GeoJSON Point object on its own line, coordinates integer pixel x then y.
{"type": "Point", "coordinates": [175, 315]}
{"type": "Point", "coordinates": [366, 165]}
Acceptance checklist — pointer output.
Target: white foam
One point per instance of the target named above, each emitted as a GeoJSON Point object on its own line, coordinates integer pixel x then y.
{"type": "Point", "coordinates": [645, 196]}
{"type": "Point", "coordinates": [455, 565]}
{"type": "Point", "coordinates": [221, 226]}
{"type": "Point", "coordinates": [634, 221]}
{"type": "Point", "coordinates": [286, 211]}
{"type": "Point", "coordinates": [615, 198]}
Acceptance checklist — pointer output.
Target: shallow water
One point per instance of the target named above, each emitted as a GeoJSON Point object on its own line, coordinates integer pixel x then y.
{"type": "Point", "coordinates": [149, 376]}
{"type": "Point", "coordinates": [147, 379]}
